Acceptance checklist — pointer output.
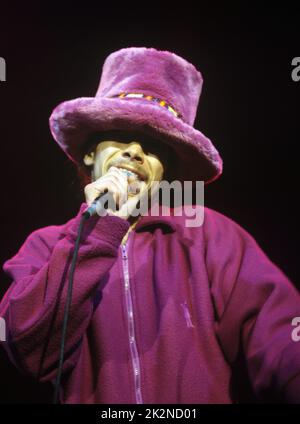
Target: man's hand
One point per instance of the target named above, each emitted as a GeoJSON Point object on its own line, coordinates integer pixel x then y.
{"type": "Point", "coordinates": [118, 184]}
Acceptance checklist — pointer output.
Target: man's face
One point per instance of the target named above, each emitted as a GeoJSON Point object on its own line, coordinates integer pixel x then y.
{"type": "Point", "coordinates": [145, 157]}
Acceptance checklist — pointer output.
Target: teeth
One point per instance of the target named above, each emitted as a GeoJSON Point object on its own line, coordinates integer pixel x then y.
{"type": "Point", "coordinates": [129, 173]}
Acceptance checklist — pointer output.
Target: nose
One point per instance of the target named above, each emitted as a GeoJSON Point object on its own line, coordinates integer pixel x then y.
{"type": "Point", "coordinates": [134, 152]}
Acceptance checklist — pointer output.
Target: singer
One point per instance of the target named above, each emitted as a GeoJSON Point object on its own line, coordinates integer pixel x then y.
{"type": "Point", "coordinates": [160, 313]}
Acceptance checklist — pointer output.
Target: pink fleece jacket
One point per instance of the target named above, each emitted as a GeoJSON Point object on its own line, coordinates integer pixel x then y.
{"type": "Point", "coordinates": [163, 319]}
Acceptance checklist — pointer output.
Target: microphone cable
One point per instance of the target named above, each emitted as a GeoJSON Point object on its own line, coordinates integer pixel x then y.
{"type": "Point", "coordinates": [98, 204]}
{"type": "Point", "coordinates": [84, 217]}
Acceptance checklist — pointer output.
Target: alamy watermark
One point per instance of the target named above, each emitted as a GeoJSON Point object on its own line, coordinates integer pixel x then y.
{"type": "Point", "coordinates": [163, 198]}
{"type": "Point", "coordinates": [296, 331]}
{"type": "Point", "coordinates": [296, 70]}
{"type": "Point", "coordinates": [2, 330]}
{"type": "Point", "coordinates": [2, 69]}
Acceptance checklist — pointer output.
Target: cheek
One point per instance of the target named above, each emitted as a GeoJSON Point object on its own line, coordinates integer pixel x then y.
{"type": "Point", "coordinates": [157, 169]}
{"type": "Point", "coordinates": [98, 166]}
{"type": "Point", "coordinates": [102, 161]}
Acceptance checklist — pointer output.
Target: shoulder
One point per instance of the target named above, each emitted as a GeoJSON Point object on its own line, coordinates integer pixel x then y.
{"type": "Point", "coordinates": [36, 248]}
{"type": "Point", "coordinates": [46, 237]}
{"type": "Point", "coordinates": [209, 223]}
{"type": "Point", "coordinates": [217, 222]}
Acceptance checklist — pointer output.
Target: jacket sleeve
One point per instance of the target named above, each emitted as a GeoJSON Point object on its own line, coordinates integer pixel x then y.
{"type": "Point", "coordinates": [255, 304]}
{"type": "Point", "coordinates": [34, 303]}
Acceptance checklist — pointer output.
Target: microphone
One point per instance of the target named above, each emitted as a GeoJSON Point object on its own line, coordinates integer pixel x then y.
{"type": "Point", "coordinates": [101, 201]}
{"type": "Point", "coordinates": [99, 204]}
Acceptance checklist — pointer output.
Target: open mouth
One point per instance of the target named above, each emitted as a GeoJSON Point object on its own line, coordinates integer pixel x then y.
{"type": "Point", "coordinates": [131, 172]}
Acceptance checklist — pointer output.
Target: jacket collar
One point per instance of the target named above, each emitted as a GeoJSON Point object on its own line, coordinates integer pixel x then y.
{"type": "Point", "coordinates": [166, 220]}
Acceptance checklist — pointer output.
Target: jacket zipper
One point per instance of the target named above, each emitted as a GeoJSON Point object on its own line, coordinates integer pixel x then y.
{"type": "Point", "coordinates": [131, 331]}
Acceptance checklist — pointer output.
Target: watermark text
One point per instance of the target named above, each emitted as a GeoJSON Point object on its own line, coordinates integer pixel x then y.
{"type": "Point", "coordinates": [296, 331]}
{"type": "Point", "coordinates": [2, 69]}
{"type": "Point", "coordinates": [296, 70]}
{"type": "Point", "coordinates": [2, 330]}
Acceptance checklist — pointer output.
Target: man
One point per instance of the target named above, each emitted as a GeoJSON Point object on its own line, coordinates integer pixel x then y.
{"type": "Point", "coordinates": [161, 312]}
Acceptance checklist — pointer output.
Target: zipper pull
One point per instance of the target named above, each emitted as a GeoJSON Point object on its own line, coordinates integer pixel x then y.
{"type": "Point", "coordinates": [124, 251]}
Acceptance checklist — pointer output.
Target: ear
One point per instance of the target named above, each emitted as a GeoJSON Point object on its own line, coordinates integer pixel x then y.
{"type": "Point", "coordinates": [89, 159]}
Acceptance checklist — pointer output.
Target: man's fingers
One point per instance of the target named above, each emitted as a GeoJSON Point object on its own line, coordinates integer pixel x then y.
{"type": "Point", "coordinates": [125, 191]}
{"type": "Point", "coordinates": [113, 181]}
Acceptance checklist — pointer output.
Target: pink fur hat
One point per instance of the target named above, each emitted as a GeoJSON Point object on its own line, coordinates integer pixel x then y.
{"type": "Point", "coordinates": [148, 91]}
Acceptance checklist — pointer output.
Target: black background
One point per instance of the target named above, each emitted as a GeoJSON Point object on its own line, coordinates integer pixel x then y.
{"type": "Point", "coordinates": [249, 108]}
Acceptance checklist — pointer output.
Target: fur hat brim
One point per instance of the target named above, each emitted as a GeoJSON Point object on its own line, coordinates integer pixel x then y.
{"type": "Point", "coordinates": [73, 122]}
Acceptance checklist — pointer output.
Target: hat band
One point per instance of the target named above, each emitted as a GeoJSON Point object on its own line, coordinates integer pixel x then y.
{"type": "Point", "coordinates": [160, 102]}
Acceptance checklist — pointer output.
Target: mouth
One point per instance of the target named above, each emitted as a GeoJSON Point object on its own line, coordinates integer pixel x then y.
{"type": "Point", "coordinates": [132, 172]}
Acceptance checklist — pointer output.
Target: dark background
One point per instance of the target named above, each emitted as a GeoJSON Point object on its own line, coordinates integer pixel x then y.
{"type": "Point", "coordinates": [249, 108]}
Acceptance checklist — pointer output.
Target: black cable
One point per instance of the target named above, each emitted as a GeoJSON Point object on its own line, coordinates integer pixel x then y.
{"type": "Point", "coordinates": [66, 311]}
